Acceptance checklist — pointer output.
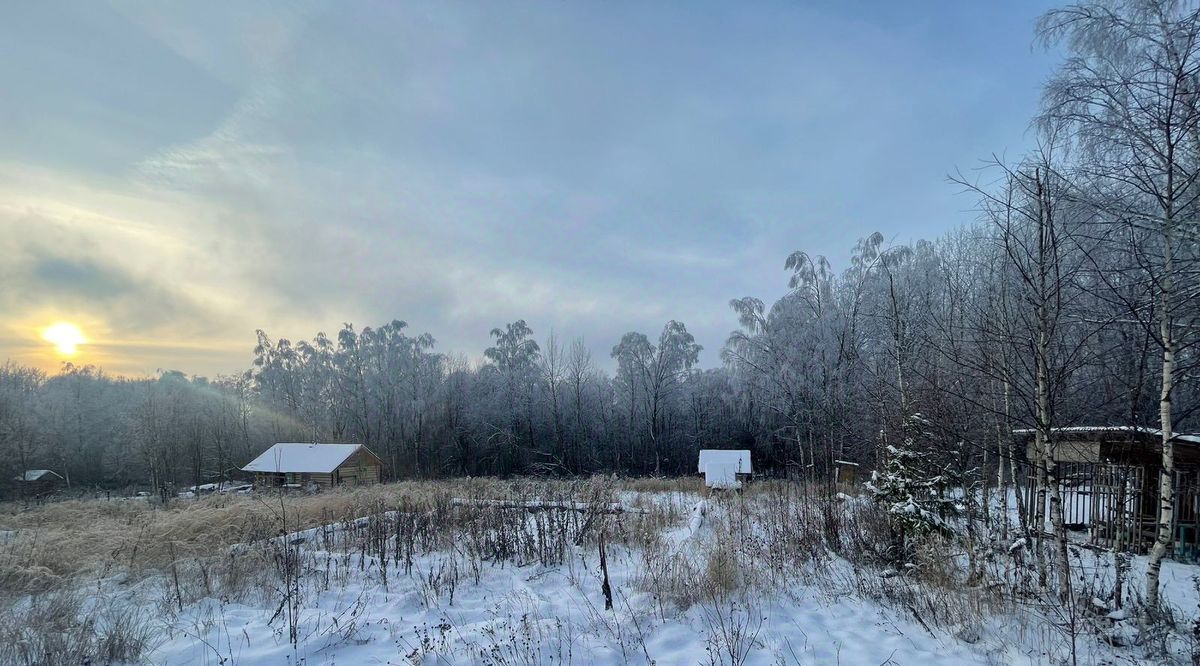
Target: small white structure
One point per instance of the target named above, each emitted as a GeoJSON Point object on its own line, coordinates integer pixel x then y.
{"type": "Point", "coordinates": [722, 476]}
{"type": "Point", "coordinates": [725, 468]}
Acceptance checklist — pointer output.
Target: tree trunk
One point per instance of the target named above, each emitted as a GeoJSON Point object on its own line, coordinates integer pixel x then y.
{"type": "Point", "coordinates": [1166, 480]}
{"type": "Point", "coordinates": [1003, 456]}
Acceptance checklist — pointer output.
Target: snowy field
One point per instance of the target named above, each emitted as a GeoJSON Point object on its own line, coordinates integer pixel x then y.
{"type": "Point", "coordinates": [494, 572]}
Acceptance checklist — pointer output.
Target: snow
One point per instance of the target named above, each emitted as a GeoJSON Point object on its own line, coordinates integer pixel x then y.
{"type": "Point", "coordinates": [555, 614]}
{"type": "Point", "coordinates": [739, 458]}
{"type": "Point", "coordinates": [1154, 432]}
{"type": "Point", "coordinates": [36, 475]}
{"type": "Point", "coordinates": [449, 610]}
{"type": "Point", "coordinates": [298, 458]}
{"type": "Point", "coordinates": [222, 488]}
{"type": "Point", "coordinates": [697, 519]}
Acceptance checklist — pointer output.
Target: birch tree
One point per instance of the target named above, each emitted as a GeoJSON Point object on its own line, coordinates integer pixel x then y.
{"type": "Point", "coordinates": [1129, 92]}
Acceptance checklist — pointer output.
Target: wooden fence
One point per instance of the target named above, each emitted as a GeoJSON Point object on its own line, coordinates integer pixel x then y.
{"type": "Point", "coordinates": [1117, 506]}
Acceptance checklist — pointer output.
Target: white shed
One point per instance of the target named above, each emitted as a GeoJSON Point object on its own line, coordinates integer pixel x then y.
{"type": "Point", "coordinates": [725, 468]}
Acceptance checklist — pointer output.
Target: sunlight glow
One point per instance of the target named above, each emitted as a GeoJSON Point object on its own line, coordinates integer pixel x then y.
{"type": "Point", "coordinates": [65, 337]}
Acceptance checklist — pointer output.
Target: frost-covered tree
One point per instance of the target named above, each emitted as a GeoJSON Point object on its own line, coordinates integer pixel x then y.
{"type": "Point", "coordinates": [514, 359]}
{"type": "Point", "coordinates": [655, 374]}
{"type": "Point", "coordinates": [1129, 94]}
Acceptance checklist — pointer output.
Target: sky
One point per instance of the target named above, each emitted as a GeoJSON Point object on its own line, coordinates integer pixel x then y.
{"type": "Point", "coordinates": [174, 176]}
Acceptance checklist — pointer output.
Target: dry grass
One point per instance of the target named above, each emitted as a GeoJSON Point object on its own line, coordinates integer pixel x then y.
{"type": "Point", "coordinates": [63, 627]}
{"type": "Point", "coordinates": [231, 548]}
{"type": "Point", "coordinates": [53, 543]}
{"type": "Point", "coordinates": [46, 547]}
{"type": "Point", "coordinates": [684, 484]}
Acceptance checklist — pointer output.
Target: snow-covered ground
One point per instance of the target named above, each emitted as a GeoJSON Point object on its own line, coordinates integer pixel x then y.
{"type": "Point", "coordinates": [556, 614]}
{"type": "Point", "coordinates": [457, 605]}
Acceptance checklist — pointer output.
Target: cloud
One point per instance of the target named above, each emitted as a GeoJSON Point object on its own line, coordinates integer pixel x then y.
{"type": "Point", "coordinates": [140, 304]}
{"type": "Point", "coordinates": [120, 263]}
{"type": "Point", "coordinates": [591, 168]}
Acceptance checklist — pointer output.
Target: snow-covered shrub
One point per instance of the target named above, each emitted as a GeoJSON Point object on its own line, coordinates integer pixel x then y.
{"type": "Point", "coordinates": [733, 630]}
{"type": "Point", "coordinates": [912, 492]}
{"type": "Point", "coordinates": [912, 487]}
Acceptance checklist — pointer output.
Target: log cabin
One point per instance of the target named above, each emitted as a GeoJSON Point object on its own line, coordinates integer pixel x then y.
{"type": "Point", "coordinates": [39, 482]}
{"type": "Point", "coordinates": [300, 465]}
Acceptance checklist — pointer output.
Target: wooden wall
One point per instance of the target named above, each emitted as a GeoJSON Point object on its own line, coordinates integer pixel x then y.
{"type": "Point", "coordinates": [359, 469]}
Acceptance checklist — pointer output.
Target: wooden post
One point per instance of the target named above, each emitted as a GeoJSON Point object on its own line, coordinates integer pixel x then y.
{"type": "Point", "coordinates": [604, 586]}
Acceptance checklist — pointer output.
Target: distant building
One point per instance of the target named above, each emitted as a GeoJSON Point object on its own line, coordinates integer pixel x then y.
{"type": "Point", "coordinates": [846, 472]}
{"type": "Point", "coordinates": [725, 468]}
{"type": "Point", "coordinates": [1111, 444]}
{"type": "Point", "coordinates": [34, 482]}
{"type": "Point", "coordinates": [299, 465]}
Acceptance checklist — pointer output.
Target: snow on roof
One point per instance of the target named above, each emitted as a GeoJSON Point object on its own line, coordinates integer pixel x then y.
{"type": "Point", "coordinates": [36, 475]}
{"type": "Point", "coordinates": [1153, 432]}
{"type": "Point", "coordinates": [299, 458]}
{"type": "Point", "coordinates": [739, 458]}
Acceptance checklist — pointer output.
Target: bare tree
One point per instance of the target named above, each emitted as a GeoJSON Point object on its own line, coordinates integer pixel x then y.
{"type": "Point", "coordinates": [579, 371]}
{"type": "Point", "coordinates": [552, 367]}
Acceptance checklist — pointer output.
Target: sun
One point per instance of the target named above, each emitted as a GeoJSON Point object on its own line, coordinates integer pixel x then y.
{"type": "Point", "coordinates": [65, 337]}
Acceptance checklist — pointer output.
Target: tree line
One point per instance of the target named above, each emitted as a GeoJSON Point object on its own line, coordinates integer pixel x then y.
{"type": "Point", "coordinates": [1072, 299]}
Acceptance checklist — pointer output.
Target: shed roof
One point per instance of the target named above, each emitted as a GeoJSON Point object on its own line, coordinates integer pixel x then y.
{"type": "Point", "coordinates": [1113, 431]}
{"type": "Point", "coordinates": [303, 458]}
{"type": "Point", "coordinates": [738, 458]}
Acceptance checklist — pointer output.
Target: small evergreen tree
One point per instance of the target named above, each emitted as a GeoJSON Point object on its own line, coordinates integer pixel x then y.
{"type": "Point", "coordinates": [912, 487]}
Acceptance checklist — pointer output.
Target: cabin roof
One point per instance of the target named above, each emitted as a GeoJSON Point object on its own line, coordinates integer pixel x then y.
{"type": "Point", "coordinates": [738, 458]}
{"type": "Point", "coordinates": [1114, 431]}
{"type": "Point", "coordinates": [37, 475]}
{"type": "Point", "coordinates": [304, 458]}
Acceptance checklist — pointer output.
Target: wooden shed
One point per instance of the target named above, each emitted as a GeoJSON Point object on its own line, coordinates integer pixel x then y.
{"type": "Point", "coordinates": [299, 465]}
{"type": "Point", "coordinates": [1113, 445]}
{"type": "Point", "coordinates": [38, 482]}
{"type": "Point", "coordinates": [1110, 482]}
{"type": "Point", "coordinates": [846, 472]}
